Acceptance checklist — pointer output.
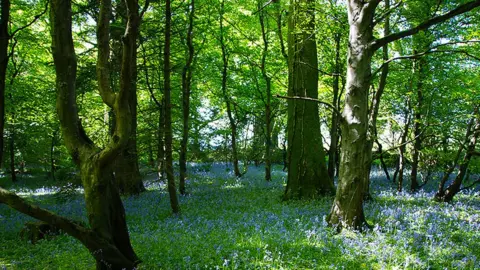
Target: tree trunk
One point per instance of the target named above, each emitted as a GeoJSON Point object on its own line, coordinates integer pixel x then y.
{"type": "Point", "coordinates": [4, 40]}
{"type": "Point", "coordinates": [403, 147]}
{"type": "Point", "coordinates": [417, 126]}
{"type": "Point", "coordinates": [186, 88]}
{"type": "Point", "coordinates": [347, 209]}
{"type": "Point", "coordinates": [161, 142]}
{"type": "Point", "coordinates": [53, 167]}
{"type": "Point", "coordinates": [307, 171]}
{"type": "Point", "coordinates": [233, 124]}
{"type": "Point", "coordinates": [469, 139]}
{"type": "Point", "coordinates": [268, 93]}
{"type": "Point", "coordinates": [332, 152]}
{"type": "Point", "coordinates": [13, 173]}
{"type": "Point", "coordinates": [108, 239]}
{"type": "Point", "coordinates": [168, 112]}
{"type": "Point", "coordinates": [454, 187]}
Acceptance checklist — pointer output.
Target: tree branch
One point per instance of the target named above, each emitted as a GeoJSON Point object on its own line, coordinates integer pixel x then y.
{"type": "Point", "coordinates": [32, 22]}
{"type": "Point", "coordinates": [21, 205]}
{"type": "Point", "coordinates": [377, 44]}
{"type": "Point", "coordinates": [314, 100]}
{"type": "Point", "coordinates": [103, 54]}
{"type": "Point", "coordinates": [429, 51]}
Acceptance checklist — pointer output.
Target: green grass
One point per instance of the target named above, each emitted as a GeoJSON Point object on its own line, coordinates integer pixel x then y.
{"type": "Point", "coordinates": [229, 223]}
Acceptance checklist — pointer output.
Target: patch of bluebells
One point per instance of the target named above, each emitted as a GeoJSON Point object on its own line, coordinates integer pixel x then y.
{"type": "Point", "coordinates": [241, 223]}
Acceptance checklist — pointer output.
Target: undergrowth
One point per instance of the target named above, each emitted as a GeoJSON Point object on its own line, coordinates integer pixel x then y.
{"type": "Point", "coordinates": [230, 223]}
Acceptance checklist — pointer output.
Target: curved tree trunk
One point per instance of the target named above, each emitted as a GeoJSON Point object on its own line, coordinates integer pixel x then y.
{"type": "Point", "coordinates": [471, 138]}
{"type": "Point", "coordinates": [307, 171]}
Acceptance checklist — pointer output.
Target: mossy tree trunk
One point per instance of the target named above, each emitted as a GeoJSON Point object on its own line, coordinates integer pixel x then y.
{"type": "Point", "coordinates": [107, 238]}
{"type": "Point", "coordinates": [307, 171]}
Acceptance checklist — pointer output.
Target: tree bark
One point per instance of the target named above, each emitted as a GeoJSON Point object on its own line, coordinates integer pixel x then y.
{"type": "Point", "coordinates": [108, 238]}
{"type": "Point", "coordinates": [168, 112]}
{"type": "Point", "coordinates": [4, 40]}
{"type": "Point", "coordinates": [186, 89]}
{"type": "Point", "coordinates": [307, 171]}
{"type": "Point", "coordinates": [233, 124]}
{"type": "Point", "coordinates": [332, 152]}
{"type": "Point", "coordinates": [417, 126]}
{"type": "Point", "coordinates": [161, 168]}
{"type": "Point", "coordinates": [347, 209]}
{"type": "Point", "coordinates": [267, 101]}
{"type": "Point", "coordinates": [403, 147]}
{"type": "Point", "coordinates": [454, 187]}
{"type": "Point", "coordinates": [13, 173]}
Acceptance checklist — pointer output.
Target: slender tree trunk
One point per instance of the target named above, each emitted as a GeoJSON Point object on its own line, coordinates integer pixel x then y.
{"type": "Point", "coordinates": [454, 187]}
{"type": "Point", "coordinates": [267, 101]}
{"type": "Point", "coordinates": [161, 142]}
{"type": "Point", "coordinates": [382, 161]}
{"type": "Point", "coordinates": [12, 150]}
{"type": "Point", "coordinates": [186, 88]}
{"type": "Point", "coordinates": [53, 168]}
{"type": "Point", "coordinates": [4, 40]}
{"type": "Point", "coordinates": [307, 171]}
{"type": "Point", "coordinates": [403, 147]}
{"type": "Point", "coordinates": [375, 106]}
{"type": "Point", "coordinates": [168, 112]}
{"type": "Point", "coordinates": [440, 195]}
{"type": "Point", "coordinates": [417, 126]}
{"type": "Point", "coordinates": [332, 152]}
{"type": "Point", "coordinates": [233, 124]}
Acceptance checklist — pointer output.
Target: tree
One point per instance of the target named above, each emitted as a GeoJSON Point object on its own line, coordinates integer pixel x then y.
{"type": "Point", "coordinates": [126, 169]}
{"type": "Point", "coordinates": [347, 209]}
{"type": "Point", "coordinates": [471, 138]}
{"type": "Point", "coordinates": [172, 191]}
{"type": "Point", "coordinates": [4, 41]}
{"type": "Point", "coordinates": [307, 171]}
{"type": "Point", "coordinates": [228, 102]}
{"type": "Point", "coordinates": [186, 88]}
{"type": "Point", "coordinates": [107, 236]}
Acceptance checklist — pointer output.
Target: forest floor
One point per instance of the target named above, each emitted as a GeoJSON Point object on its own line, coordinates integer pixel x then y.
{"type": "Point", "coordinates": [229, 223]}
